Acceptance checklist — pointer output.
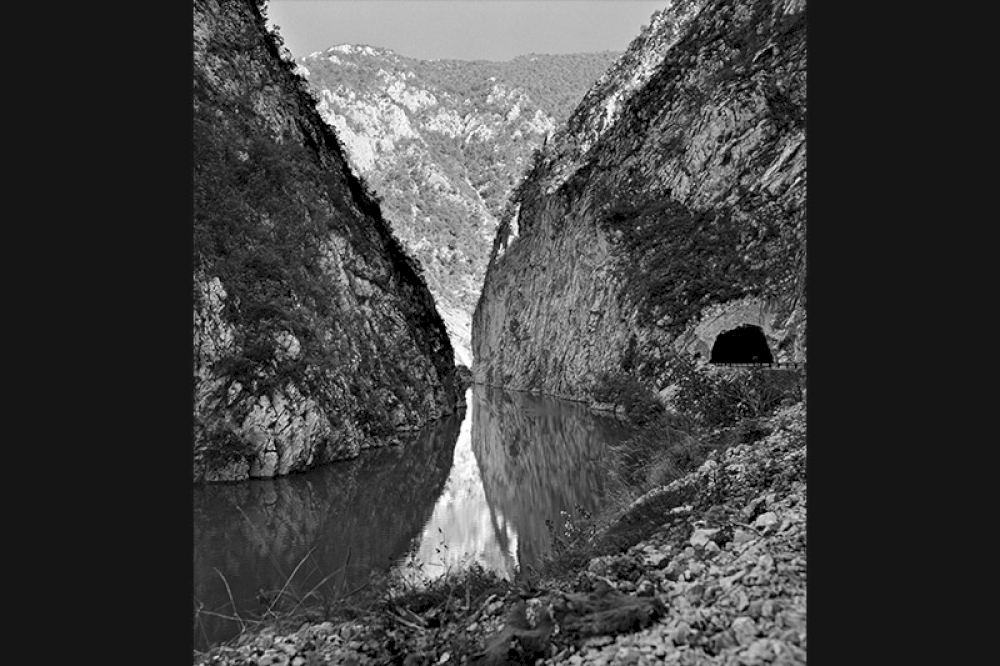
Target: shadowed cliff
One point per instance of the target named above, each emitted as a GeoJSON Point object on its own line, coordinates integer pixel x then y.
{"type": "Point", "coordinates": [315, 335]}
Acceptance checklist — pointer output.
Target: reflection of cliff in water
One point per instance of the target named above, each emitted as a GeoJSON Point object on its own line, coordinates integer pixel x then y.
{"type": "Point", "coordinates": [539, 457]}
{"type": "Point", "coordinates": [257, 532]}
{"type": "Point", "coordinates": [464, 528]}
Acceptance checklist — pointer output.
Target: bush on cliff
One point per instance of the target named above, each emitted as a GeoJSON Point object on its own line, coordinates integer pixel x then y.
{"type": "Point", "coordinates": [722, 397]}
{"type": "Point", "coordinates": [264, 242]}
{"type": "Point", "coordinates": [621, 389]}
{"type": "Point", "coordinates": [222, 447]}
{"type": "Point", "coordinates": [678, 259]}
{"type": "Point", "coordinates": [464, 375]}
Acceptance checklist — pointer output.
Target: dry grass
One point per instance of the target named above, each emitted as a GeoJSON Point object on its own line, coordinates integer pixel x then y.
{"type": "Point", "coordinates": [414, 602]}
{"type": "Point", "coordinates": [284, 607]}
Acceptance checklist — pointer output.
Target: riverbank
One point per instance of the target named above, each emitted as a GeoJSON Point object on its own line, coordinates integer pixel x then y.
{"type": "Point", "coordinates": [709, 569]}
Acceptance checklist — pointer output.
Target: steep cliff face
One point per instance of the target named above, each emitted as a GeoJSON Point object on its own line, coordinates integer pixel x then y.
{"type": "Point", "coordinates": [669, 209]}
{"type": "Point", "coordinates": [314, 333]}
{"type": "Point", "coordinates": [443, 142]}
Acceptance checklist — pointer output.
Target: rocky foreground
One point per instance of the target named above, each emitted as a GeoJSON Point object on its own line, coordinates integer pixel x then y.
{"type": "Point", "coordinates": [718, 577]}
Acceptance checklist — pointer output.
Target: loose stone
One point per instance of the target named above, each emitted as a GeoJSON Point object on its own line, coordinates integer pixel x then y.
{"type": "Point", "coordinates": [766, 520]}
{"type": "Point", "coordinates": [702, 537]}
{"type": "Point", "coordinates": [681, 633]}
{"type": "Point", "coordinates": [758, 653]}
{"type": "Point", "coordinates": [744, 628]}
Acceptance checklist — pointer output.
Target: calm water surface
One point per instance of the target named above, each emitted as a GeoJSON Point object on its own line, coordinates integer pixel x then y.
{"type": "Point", "coordinates": [475, 487]}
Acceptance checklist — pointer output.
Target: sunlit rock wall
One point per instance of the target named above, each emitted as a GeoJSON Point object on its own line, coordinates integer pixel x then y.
{"type": "Point", "coordinates": [700, 126]}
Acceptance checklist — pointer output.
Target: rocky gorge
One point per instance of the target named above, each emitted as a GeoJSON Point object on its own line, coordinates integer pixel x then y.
{"type": "Point", "coordinates": [443, 143]}
{"type": "Point", "coordinates": [315, 335]}
{"type": "Point", "coordinates": [664, 219]}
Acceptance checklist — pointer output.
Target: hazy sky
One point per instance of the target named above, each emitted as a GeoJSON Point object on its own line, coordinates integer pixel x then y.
{"type": "Point", "coordinates": [462, 29]}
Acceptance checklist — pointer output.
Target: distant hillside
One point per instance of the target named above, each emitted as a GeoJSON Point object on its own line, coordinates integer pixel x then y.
{"type": "Point", "coordinates": [443, 143]}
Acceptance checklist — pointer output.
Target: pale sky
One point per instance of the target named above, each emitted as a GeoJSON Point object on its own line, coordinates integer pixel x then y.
{"type": "Point", "coordinates": [462, 29]}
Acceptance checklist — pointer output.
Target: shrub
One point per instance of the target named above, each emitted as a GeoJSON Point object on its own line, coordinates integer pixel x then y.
{"type": "Point", "coordinates": [722, 398]}
{"type": "Point", "coordinates": [639, 403]}
{"type": "Point", "coordinates": [661, 451]}
{"type": "Point", "coordinates": [678, 259]}
{"type": "Point", "coordinates": [219, 446]}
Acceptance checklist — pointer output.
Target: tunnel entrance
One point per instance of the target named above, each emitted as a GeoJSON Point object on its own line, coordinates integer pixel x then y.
{"type": "Point", "coordinates": [743, 344]}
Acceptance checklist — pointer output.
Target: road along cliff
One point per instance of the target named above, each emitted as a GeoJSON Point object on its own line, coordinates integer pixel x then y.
{"type": "Point", "coordinates": [315, 334]}
{"type": "Point", "coordinates": [669, 210]}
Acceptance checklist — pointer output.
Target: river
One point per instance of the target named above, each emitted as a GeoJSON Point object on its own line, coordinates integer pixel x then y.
{"type": "Point", "coordinates": [479, 486]}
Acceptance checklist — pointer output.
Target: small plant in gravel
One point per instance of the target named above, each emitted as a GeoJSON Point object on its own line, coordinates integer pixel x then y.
{"type": "Point", "coordinates": [289, 606]}
{"type": "Point", "coordinates": [572, 530]}
{"type": "Point", "coordinates": [416, 622]}
{"type": "Point", "coordinates": [661, 451]}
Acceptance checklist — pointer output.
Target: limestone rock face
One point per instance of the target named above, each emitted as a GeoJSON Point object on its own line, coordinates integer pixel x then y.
{"type": "Point", "coordinates": [669, 209]}
{"type": "Point", "coordinates": [315, 335]}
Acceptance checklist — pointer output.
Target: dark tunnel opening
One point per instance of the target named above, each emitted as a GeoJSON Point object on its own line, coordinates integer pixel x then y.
{"type": "Point", "coordinates": [743, 344]}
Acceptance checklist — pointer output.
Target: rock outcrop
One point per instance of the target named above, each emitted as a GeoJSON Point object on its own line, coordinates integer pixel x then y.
{"type": "Point", "coordinates": [315, 334]}
{"type": "Point", "coordinates": [669, 209]}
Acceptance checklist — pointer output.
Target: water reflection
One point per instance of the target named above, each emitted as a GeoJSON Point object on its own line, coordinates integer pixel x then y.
{"type": "Point", "coordinates": [521, 462]}
{"type": "Point", "coordinates": [538, 458]}
{"type": "Point", "coordinates": [464, 528]}
{"type": "Point", "coordinates": [474, 490]}
{"type": "Point", "coordinates": [364, 513]}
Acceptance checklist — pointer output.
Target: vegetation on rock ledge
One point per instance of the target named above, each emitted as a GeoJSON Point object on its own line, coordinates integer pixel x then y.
{"type": "Point", "coordinates": [679, 259]}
